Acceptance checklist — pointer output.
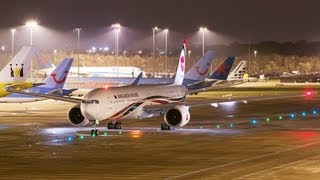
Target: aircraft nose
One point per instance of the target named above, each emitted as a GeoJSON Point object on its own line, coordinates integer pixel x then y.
{"type": "Point", "coordinates": [90, 106]}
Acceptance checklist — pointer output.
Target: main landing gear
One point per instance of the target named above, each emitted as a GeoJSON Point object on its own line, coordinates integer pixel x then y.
{"type": "Point", "coordinates": [165, 126]}
{"type": "Point", "coordinates": [116, 125]}
{"type": "Point", "coordinates": [94, 132]}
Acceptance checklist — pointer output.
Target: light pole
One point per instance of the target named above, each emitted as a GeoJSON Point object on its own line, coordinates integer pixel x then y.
{"type": "Point", "coordinates": [12, 41]}
{"type": "Point", "coordinates": [78, 50]}
{"type": "Point", "coordinates": [31, 24]}
{"type": "Point", "coordinates": [203, 29]}
{"type": "Point", "coordinates": [154, 47]}
{"type": "Point", "coordinates": [116, 33]}
{"type": "Point", "coordinates": [166, 49]}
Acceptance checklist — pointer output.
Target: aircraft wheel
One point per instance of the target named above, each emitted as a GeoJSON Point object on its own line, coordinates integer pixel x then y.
{"type": "Point", "coordinates": [94, 132]}
{"type": "Point", "coordinates": [118, 126]}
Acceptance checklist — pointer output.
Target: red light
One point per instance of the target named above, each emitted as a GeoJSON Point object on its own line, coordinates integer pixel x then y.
{"type": "Point", "coordinates": [309, 93]}
{"type": "Point", "coordinates": [106, 87]}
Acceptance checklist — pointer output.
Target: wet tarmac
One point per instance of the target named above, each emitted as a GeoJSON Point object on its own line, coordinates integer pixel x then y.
{"type": "Point", "coordinates": [260, 140]}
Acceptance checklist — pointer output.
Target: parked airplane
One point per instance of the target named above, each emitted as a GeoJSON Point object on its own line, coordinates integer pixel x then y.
{"type": "Point", "coordinates": [53, 84]}
{"type": "Point", "coordinates": [122, 71]}
{"type": "Point", "coordinates": [197, 73]}
{"type": "Point", "coordinates": [135, 102]}
{"type": "Point", "coordinates": [15, 73]}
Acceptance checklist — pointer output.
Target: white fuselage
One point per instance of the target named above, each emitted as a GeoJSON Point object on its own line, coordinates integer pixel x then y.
{"type": "Point", "coordinates": [127, 102]}
{"type": "Point", "coordinates": [122, 71]}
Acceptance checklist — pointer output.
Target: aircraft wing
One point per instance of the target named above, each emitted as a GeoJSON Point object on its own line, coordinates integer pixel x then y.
{"type": "Point", "coordinates": [215, 102]}
{"type": "Point", "coordinates": [48, 96]}
{"type": "Point", "coordinates": [20, 86]}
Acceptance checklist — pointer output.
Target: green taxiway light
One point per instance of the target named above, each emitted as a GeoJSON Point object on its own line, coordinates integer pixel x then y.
{"type": "Point", "coordinates": [280, 117]}
{"type": "Point", "coordinates": [218, 126]}
{"type": "Point", "coordinates": [81, 137]}
{"type": "Point", "coordinates": [267, 119]}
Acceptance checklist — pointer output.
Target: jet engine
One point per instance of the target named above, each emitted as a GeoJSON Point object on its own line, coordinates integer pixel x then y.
{"type": "Point", "coordinates": [178, 116]}
{"type": "Point", "coordinates": [76, 118]}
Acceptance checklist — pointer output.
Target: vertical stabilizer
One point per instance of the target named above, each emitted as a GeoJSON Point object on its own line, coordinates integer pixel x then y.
{"type": "Point", "coordinates": [222, 72]}
{"type": "Point", "coordinates": [57, 78]}
{"type": "Point", "coordinates": [239, 71]}
{"type": "Point", "coordinates": [181, 65]}
{"type": "Point", "coordinates": [19, 67]}
{"type": "Point", "coordinates": [200, 70]}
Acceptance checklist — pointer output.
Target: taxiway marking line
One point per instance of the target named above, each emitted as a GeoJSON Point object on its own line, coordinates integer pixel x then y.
{"type": "Point", "coordinates": [240, 161]}
{"type": "Point", "coordinates": [283, 165]}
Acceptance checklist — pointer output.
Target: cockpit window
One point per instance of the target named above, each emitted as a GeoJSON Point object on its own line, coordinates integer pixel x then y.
{"type": "Point", "coordinates": [90, 101]}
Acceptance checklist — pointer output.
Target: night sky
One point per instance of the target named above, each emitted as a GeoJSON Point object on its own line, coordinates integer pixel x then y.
{"type": "Point", "coordinates": [279, 20]}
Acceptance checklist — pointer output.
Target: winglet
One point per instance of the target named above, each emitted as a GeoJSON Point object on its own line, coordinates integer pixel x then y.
{"type": "Point", "coordinates": [136, 80]}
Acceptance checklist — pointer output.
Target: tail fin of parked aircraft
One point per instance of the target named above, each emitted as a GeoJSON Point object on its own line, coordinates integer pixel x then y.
{"type": "Point", "coordinates": [222, 72]}
{"type": "Point", "coordinates": [239, 71]}
{"type": "Point", "coordinates": [42, 61]}
{"type": "Point", "coordinates": [57, 78]}
{"type": "Point", "coordinates": [18, 69]}
{"type": "Point", "coordinates": [201, 69]}
{"type": "Point", "coordinates": [181, 65]}
{"type": "Point", "coordinates": [136, 80]}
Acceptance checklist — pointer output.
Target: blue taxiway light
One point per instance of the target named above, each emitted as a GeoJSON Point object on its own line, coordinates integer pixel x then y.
{"type": "Point", "coordinates": [254, 122]}
{"type": "Point", "coordinates": [303, 114]}
{"type": "Point", "coordinates": [292, 116]}
{"type": "Point", "coordinates": [314, 112]}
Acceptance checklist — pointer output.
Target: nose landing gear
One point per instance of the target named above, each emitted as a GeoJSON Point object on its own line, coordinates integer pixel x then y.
{"type": "Point", "coordinates": [94, 132]}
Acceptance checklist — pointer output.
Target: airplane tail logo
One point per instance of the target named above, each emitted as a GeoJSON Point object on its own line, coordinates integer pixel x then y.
{"type": "Point", "coordinates": [201, 69]}
{"type": "Point", "coordinates": [204, 72]}
{"type": "Point", "coordinates": [223, 70]}
{"type": "Point", "coordinates": [58, 77]}
{"type": "Point", "coordinates": [16, 71]}
{"type": "Point", "coordinates": [54, 77]}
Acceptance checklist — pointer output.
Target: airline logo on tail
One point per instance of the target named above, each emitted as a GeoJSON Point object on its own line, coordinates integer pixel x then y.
{"type": "Point", "coordinates": [182, 63]}
{"type": "Point", "coordinates": [16, 71]}
{"type": "Point", "coordinates": [204, 73]}
{"type": "Point", "coordinates": [60, 81]}
{"type": "Point", "coordinates": [182, 60]}
{"type": "Point", "coordinates": [223, 69]}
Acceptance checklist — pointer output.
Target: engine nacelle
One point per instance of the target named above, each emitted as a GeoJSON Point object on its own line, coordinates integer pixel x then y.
{"type": "Point", "coordinates": [76, 118]}
{"type": "Point", "coordinates": [178, 116]}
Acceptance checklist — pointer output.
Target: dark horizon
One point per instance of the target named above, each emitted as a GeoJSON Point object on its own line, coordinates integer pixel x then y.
{"type": "Point", "coordinates": [285, 20]}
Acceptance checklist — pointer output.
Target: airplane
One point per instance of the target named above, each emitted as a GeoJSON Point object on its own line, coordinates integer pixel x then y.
{"type": "Point", "coordinates": [197, 73]}
{"type": "Point", "coordinates": [137, 102]}
{"type": "Point", "coordinates": [53, 84]}
{"type": "Point", "coordinates": [122, 71]}
{"type": "Point", "coordinates": [14, 74]}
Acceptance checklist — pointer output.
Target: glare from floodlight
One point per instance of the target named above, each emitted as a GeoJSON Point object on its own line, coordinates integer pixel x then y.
{"type": "Point", "coordinates": [203, 29]}
{"type": "Point", "coordinates": [13, 30]}
{"type": "Point", "coordinates": [166, 30]}
{"type": "Point", "coordinates": [155, 28]}
{"type": "Point", "coordinates": [118, 26]}
{"type": "Point", "coordinates": [32, 23]}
